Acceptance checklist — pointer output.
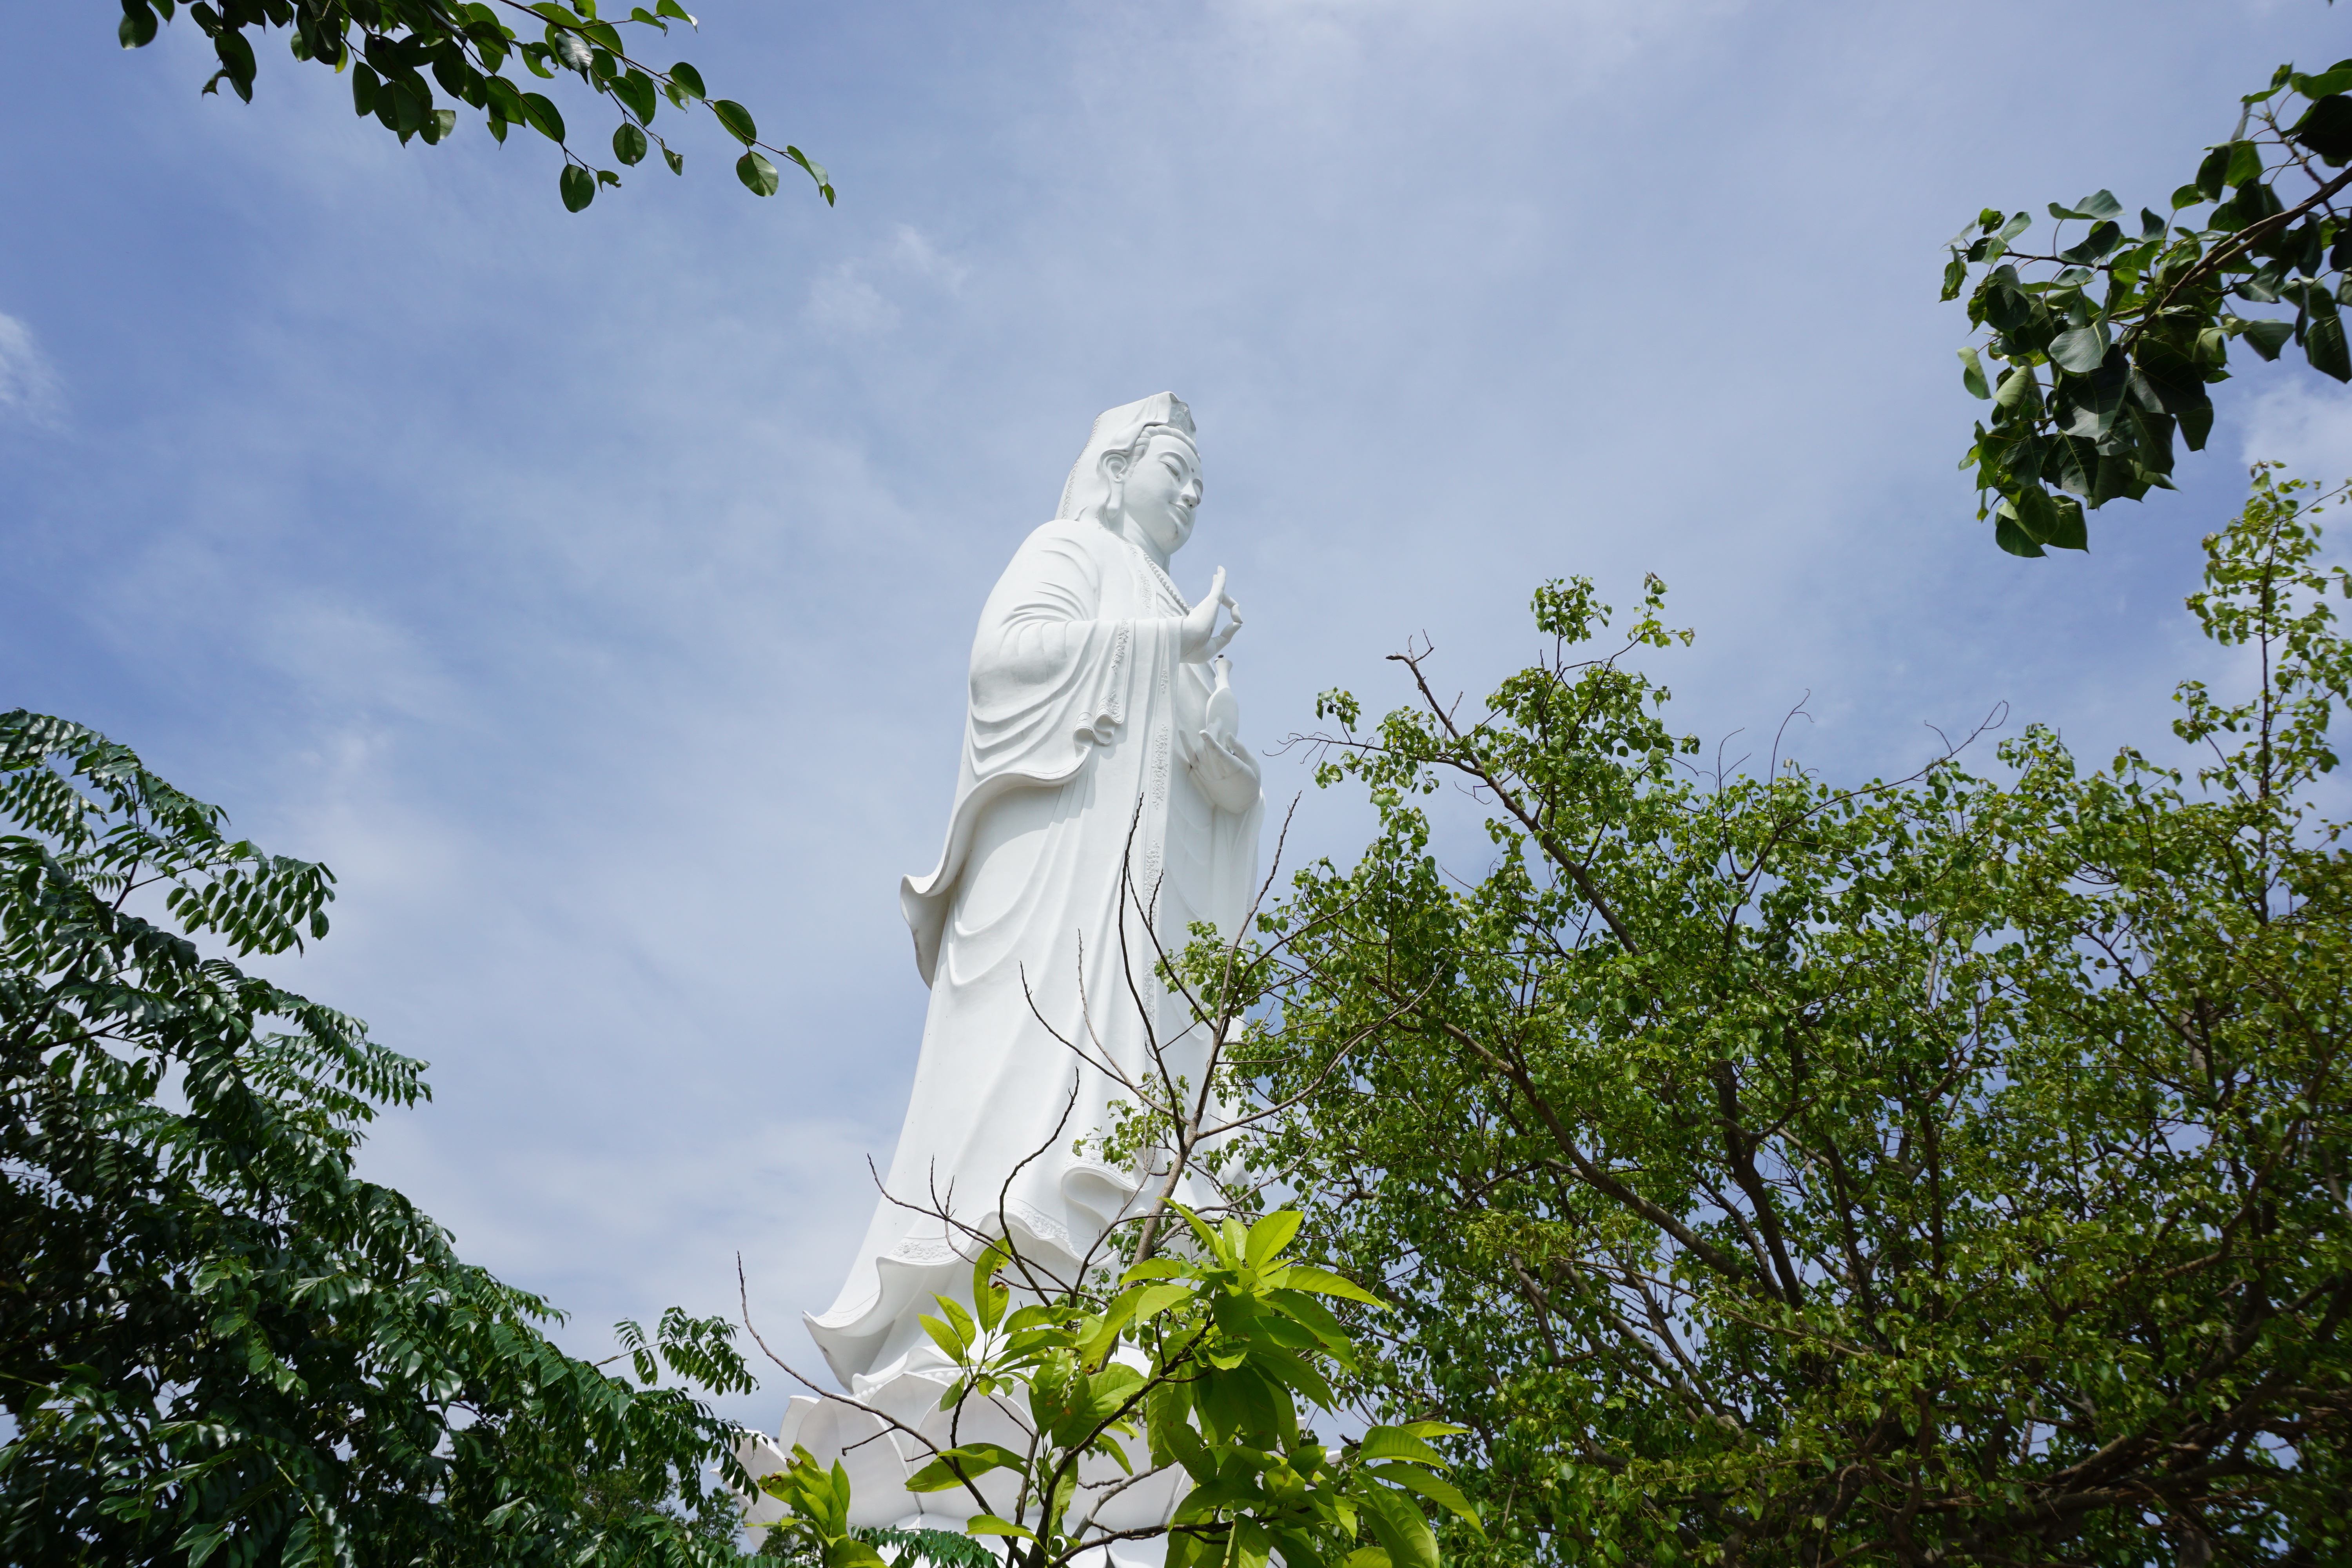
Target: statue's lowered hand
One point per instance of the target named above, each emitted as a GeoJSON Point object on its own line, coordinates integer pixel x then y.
{"type": "Point", "coordinates": [1226, 771]}
{"type": "Point", "coordinates": [1202, 638]}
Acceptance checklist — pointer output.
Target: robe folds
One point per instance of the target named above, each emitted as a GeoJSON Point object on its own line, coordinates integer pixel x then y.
{"type": "Point", "coordinates": [1078, 743]}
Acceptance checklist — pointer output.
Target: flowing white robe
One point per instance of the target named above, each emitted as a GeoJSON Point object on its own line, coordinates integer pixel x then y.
{"type": "Point", "coordinates": [1081, 730]}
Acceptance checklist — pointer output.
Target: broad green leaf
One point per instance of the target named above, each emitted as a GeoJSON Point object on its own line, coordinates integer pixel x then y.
{"type": "Point", "coordinates": [736, 119]}
{"type": "Point", "coordinates": [2267, 337]}
{"type": "Point", "coordinates": [758, 174]}
{"type": "Point", "coordinates": [2079, 348]}
{"type": "Point", "coordinates": [629, 143]}
{"type": "Point", "coordinates": [688, 80]}
{"type": "Point", "coordinates": [540, 112]}
{"type": "Point", "coordinates": [2009, 535]}
{"type": "Point", "coordinates": [676, 161]}
{"type": "Point", "coordinates": [2323, 346]}
{"type": "Point", "coordinates": [578, 186]}
{"type": "Point", "coordinates": [1397, 1443]}
{"type": "Point", "coordinates": [672, 8]}
{"type": "Point", "coordinates": [1437, 1490]}
{"type": "Point", "coordinates": [1322, 1282]}
{"type": "Point", "coordinates": [1270, 1235]}
{"type": "Point", "coordinates": [989, 1524]}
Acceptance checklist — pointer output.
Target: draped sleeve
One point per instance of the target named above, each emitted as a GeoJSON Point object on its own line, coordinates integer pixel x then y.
{"type": "Point", "coordinates": [1051, 681]}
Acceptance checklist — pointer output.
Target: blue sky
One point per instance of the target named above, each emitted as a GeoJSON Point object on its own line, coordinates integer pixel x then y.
{"type": "Point", "coordinates": [592, 592]}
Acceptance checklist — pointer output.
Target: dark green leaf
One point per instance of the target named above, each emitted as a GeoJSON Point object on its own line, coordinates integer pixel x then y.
{"type": "Point", "coordinates": [137, 28]}
{"type": "Point", "coordinates": [676, 161]}
{"type": "Point", "coordinates": [2011, 538]}
{"type": "Point", "coordinates": [2078, 349]}
{"type": "Point", "coordinates": [2326, 129]}
{"type": "Point", "coordinates": [540, 112]}
{"type": "Point", "coordinates": [2323, 346]}
{"type": "Point", "coordinates": [758, 174]}
{"type": "Point", "coordinates": [688, 80]}
{"type": "Point", "coordinates": [2267, 337]}
{"type": "Point", "coordinates": [578, 186]}
{"type": "Point", "coordinates": [736, 119]}
{"type": "Point", "coordinates": [364, 85]}
{"type": "Point", "coordinates": [629, 143]}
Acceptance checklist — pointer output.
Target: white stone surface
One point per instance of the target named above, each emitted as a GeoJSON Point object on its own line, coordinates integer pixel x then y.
{"type": "Point", "coordinates": [1102, 728]}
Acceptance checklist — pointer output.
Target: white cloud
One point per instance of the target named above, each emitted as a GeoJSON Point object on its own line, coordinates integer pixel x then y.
{"type": "Point", "coordinates": [28, 384]}
{"type": "Point", "coordinates": [848, 300]}
{"type": "Point", "coordinates": [2307, 427]}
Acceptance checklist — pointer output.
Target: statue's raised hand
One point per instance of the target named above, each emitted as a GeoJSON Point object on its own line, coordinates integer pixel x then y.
{"type": "Point", "coordinates": [1202, 638]}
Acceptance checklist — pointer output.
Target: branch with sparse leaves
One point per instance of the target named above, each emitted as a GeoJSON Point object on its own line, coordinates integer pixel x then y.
{"type": "Point", "coordinates": [389, 46]}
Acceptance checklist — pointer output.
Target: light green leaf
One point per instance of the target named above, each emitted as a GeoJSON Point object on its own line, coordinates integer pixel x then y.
{"type": "Point", "coordinates": [989, 1524]}
{"type": "Point", "coordinates": [1270, 1235]}
{"type": "Point", "coordinates": [759, 176]}
{"type": "Point", "coordinates": [1972, 375]}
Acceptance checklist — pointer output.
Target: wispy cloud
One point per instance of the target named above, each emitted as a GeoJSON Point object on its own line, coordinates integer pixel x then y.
{"type": "Point", "coordinates": [28, 382]}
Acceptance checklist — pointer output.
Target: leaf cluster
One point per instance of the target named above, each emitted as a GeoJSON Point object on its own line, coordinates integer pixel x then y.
{"type": "Point", "coordinates": [2097, 353]}
{"type": "Point", "coordinates": [217, 1344]}
{"type": "Point", "coordinates": [391, 46]}
{"type": "Point", "coordinates": [1194, 1364]}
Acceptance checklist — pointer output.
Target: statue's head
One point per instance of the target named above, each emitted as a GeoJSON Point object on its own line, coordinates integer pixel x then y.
{"type": "Point", "coordinates": [1140, 466]}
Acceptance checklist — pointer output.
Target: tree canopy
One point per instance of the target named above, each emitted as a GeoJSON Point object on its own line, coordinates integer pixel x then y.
{"type": "Point", "coordinates": [390, 46]}
{"type": "Point", "coordinates": [217, 1344]}
{"type": "Point", "coordinates": [1770, 1171]}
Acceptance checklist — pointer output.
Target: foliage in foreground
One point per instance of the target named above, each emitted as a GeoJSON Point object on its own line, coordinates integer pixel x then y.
{"type": "Point", "coordinates": [1944, 1170]}
{"type": "Point", "coordinates": [1188, 1373]}
{"type": "Point", "coordinates": [216, 1343]}
{"type": "Point", "coordinates": [2109, 342]}
{"type": "Point", "coordinates": [388, 46]}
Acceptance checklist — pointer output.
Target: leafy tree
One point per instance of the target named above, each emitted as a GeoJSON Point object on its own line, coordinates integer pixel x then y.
{"type": "Point", "coordinates": [216, 1342]}
{"type": "Point", "coordinates": [388, 46]}
{"type": "Point", "coordinates": [2103, 348]}
{"type": "Point", "coordinates": [1948, 1170]}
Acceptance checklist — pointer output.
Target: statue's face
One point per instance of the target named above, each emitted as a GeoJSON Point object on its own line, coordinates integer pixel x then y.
{"type": "Point", "coordinates": [1158, 492]}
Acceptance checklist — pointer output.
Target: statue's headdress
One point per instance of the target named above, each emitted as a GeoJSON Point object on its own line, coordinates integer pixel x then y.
{"type": "Point", "coordinates": [1116, 430]}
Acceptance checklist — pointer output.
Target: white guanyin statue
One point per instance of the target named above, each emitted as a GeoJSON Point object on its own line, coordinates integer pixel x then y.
{"type": "Point", "coordinates": [1100, 735]}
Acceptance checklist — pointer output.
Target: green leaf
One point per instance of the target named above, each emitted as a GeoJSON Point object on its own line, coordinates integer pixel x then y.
{"type": "Point", "coordinates": [1436, 1489]}
{"type": "Point", "coordinates": [2326, 129]}
{"type": "Point", "coordinates": [364, 86]}
{"type": "Point", "coordinates": [738, 121]}
{"type": "Point", "coordinates": [672, 8]}
{"type": "Point", "coordinates": [2188, 195]}
{"type": "Point", "coordinates": [629, 143]}
{"type": "Point", "coordinates": [1270, 1235]}
{"type": "Point", "coordinates": [540, 112]}
{"type": "Point", "coordinates": [2036, 513]}
{"type": "Point", "coordinates": [137, 28]}
{"type": "Point", "coordinates": [759, 175]}
{"type": "Point", "coordinates": [2069, 532]}
{"type": "Point", "coordinates": [1972, 375]}
{"type": "Point", "coordinates": [2267, 337]}
{"type": "Point", "coordinates": [2079, 348]}
{"type": "Point", "coordinates": [1322, 1282]}
{"type": "Point", "coordinates": [578, 186]}
{"type": "Point", "coordinates": [1398, 1443]}
{"type": "Point", "coordinates": [2009, 536]}
{"type": "Point", "coordinates": [2323, 346]}
{"type": "Point", "coordinates": [676, 161]}
{"type": "Point", "coordinates": [2245, 163]}
{"type": "Point", "coordinates": [687, 79]}
{"type": "Point", "coordinates": [989, 1524]}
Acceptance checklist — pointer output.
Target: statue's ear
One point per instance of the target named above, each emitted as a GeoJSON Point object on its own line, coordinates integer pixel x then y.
{"type": "Point", "coordinates": [1114, 465]}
